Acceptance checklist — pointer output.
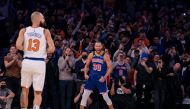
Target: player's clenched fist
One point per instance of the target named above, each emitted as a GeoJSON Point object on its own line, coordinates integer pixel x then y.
{"type": "Point", "coordinates": [86, 77]}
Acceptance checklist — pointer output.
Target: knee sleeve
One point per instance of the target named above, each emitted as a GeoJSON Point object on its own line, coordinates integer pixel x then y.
{"type": "Point", "coordinates": [107, 99]}
{"type": "Point", "coordinates": [85, 96]}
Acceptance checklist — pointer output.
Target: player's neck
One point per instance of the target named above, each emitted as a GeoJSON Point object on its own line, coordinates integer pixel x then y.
{"type": "Point", "coordinates": [99, 53]}
{"type": "Point", "coordinates": [35, 25]}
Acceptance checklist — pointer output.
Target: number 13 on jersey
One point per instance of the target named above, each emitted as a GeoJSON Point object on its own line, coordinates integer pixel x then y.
{"type": "Point", "coordinates": [33, 45]}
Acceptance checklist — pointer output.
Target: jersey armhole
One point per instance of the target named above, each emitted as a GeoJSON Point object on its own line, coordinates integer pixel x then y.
{"type": "Point", "coordinates": [104, 57]}
{"type": "Point", "coordinates": [44, 33]}
{"type": "Point", "coordinates": [24, 30]}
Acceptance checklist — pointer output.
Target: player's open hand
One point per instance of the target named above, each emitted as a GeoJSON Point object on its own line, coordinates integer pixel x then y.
{"type": "Point", "coordinates": [102, 79]}
{"type": "Point", "coordinates": [86, 77]}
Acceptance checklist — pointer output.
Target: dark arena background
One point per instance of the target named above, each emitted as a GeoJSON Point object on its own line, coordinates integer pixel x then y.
{"type": "Point", "coordinates": [148, 42]}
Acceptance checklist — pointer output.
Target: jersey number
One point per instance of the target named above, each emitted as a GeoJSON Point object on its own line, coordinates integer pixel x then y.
{"type": "Point", "coordinates": [33, 45]}
{"type": "Point", "coordinates": [97, 67]}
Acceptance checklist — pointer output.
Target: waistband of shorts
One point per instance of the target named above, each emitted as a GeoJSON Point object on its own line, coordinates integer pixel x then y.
{"type": "Point", "coordinates": [35, 59]}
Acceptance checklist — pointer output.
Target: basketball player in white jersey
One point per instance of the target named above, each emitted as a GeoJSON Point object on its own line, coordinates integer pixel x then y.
{"type": "Point", "coordinates": [33, 40]}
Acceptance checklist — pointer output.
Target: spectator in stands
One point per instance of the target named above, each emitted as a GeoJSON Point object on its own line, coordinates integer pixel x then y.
{"type": "Point", "coordinates": [122, 93]}
{"type": "Point", "coordinates": [79, 66]}
{"type": "Point", "coordinates": [6, 95]}
{"type": "Point", "coordinates": [50, 96]}
{"type": "Point", "coordinates": [174, 87]}
{"type": "Point", "coordinates": [143, 82]}
{"type": "Point", "coordinates": [186, 78]}
{"type": "Point", "coordinates": [120, 67]}
{"type": "Point", "coordinates": [139, 46]}
{"type": "Point", "coordinates": [58, 50]}
{"type": "Point", "coordinates": [66, 64]}
{"type": "Point", "coordinates": [142, 36]}
{"type": "Point", "coordinates": [159, 84]}
{"type": "Point", "coordinates": [12, 63]}
{"type": "Point", "coordinates": [157, 46]}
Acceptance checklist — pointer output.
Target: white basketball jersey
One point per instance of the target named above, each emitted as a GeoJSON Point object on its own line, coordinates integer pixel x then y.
{"type": "Point", "coordinates": [35, 43]}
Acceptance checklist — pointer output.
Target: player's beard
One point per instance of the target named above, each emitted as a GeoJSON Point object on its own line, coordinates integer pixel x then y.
{"type": "Point", "coordinates": [43, 24]}
{"type": "Point", "coordinates": [98, 51]}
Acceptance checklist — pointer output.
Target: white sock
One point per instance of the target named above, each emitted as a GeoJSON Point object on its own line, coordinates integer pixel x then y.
{"type": "Point", "coordinates": [36, 107]}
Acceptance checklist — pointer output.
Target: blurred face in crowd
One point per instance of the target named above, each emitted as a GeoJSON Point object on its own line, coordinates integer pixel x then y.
{"type": "Point", "coordinates": [57, 43]}
{"type": "Point", "coordinates": [156, 40]}
{"type": "Point", "coordinates": [140, 42]}
{"type": "Point", "coordinates": [127, 60]}
{"type": "Point", "coordinates": [87, 41]}
{"type": "Point", "coordinates": [156, 58]}
{"type": "Point", "coordinates": [172, 51]}
{"type": "Point", "coordinates": [136, 52]}
{"type": "Point", "coordinates": [91, 34]}
{"type": "Point", "coordinates": [84, 55]}
{"type": "Point", "coordinates": [68, 52]}
{"type": "Point", "coordinates": [98, 47]}
{"type": "Point", "coordinates": [49, 55]}
{"type": "Point", "coordinates": [3, 84]}
{"type": "Point", "coordinates": [110, 37]}
{"type": "Point", "coordinates": [124, 40]}
{"type": "Point", "coordinates": [185, 56]}
{"type": "Point", "coordinates": [13, 50]}
{"type": "Point", "coordinates": [167, 34]}
{"type": "Point", "coordinates": [91, 46]}
{"type": "Point", "coordinates": [121, 57]}
{"type": "Point", "coordinates": [160, 62]}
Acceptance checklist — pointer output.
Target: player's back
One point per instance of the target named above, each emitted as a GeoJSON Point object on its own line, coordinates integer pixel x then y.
{"type": "Point", "coordinates": [35, 43]}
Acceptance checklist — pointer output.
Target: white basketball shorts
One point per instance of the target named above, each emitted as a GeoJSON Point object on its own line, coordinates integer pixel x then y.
{"type": "Point", "coordinates": [33, 72]}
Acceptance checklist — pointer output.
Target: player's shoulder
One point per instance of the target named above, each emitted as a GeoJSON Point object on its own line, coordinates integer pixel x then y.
{"type": "Point", "coordinates": [106, 55]}
{"type": "Point", "coordinates": [46, 30]}
{"type": "Point", "coordinates": [23, 30]}
{"type": "Point", "coordinates": [91, 54]}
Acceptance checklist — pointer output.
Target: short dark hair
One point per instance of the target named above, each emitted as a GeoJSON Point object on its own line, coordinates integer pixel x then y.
{"type": "Point", "coordinates": [98, 42]}
{"type": "Point", "coordinates": [3, 78]}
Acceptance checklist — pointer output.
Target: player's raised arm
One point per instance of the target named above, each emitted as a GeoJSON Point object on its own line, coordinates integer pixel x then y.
{"type": "Point", "coordinates": [20, 39]}
{"type": "Point", "coordinates": [87, 65]}
{"type": "Point", "coordinates": [51, 46]}
{"type": "Point", "coordinates": [109, 65]}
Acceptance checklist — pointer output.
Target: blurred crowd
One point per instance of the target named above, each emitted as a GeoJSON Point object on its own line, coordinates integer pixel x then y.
{"type": "Point", "coordinates": [148, 42]}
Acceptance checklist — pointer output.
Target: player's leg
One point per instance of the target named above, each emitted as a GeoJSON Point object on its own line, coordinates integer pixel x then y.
{"type": "Point", "coordinates": [37, 99]}
{"type": "Point", "coordinates": [89, 85]}
{"type": "Point", "coordinates": [85, 97]}
{"type": "Point", "coordinates": [24, 98]}
{"type": "Point", "coordinates": [38, 83]}
{"type": "Point", "coordinates": [107, 100]}
{"type": "Point", "coordinates": [102, 87]}
{"type": "Point", "coordinates": [26, 81]}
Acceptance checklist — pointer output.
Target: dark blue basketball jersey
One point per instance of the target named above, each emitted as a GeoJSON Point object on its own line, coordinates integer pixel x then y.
{"type": "Point", "coordinates": [120, 70]}
{"type": "Point", "coordinates": [98, 65]}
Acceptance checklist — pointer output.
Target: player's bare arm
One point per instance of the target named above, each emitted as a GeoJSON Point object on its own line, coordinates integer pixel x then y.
{"type": "Point", "coordinates": [109, 65]}
{"type": "Point", "coordinates": [86, 68]}
{"type": "Point", "coordinates": [51, 46]}
{"type": "Point", "coordinates": [20, 39]}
